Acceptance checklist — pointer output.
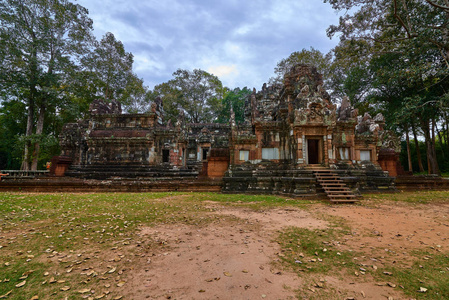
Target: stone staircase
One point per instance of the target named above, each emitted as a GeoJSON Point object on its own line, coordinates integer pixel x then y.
{"type": "Point", "coordinates": [335, 189]}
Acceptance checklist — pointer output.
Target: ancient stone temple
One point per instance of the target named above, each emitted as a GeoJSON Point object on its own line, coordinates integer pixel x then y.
{"type": "Point", "coordinates": [290, 131]}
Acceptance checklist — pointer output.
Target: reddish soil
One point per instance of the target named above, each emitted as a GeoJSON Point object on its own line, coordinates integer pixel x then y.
{"type": "Point", "coordinates": [233, 257]}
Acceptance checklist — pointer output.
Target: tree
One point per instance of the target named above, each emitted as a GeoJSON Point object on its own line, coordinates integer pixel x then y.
{"type": "Point", "coordinates": [40, 42]}
{"type": "Point", "coordinates": [388, 21]}
{"type": "Point", "coordinates": [398, 50]}
{"type": "Point", "coordinates": [197, 93]}
{"type": "Point", "coordinates": [311, 57]}
{"type": "Point", "coordinates": [138, 97]}
{"type": "Point", "coordinates": [108, 71]}
{"type": "Point", "coordinates": [234, 99]}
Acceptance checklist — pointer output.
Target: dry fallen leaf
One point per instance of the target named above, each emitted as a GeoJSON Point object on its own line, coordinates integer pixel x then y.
{"type": "Point", "coordinates": [391, 284]}
{"type": "Point", "coordinates": [46, 274]}
{"type": "Point", "coordinates": [65, 288]}
{"type": "Point", "coordinates": [422, 290]}
{"type": "Point", "coordinates": [6, 295]}
{"type": "Point", "coordinates": [118, 298]}
{"type": "Point", "coordinates": [112, 270]}
{"type": "Point", "coordinates": [83, 291]}
{"type": "Point", "coordinates": [21, 284]}
{"type": "Point", "coordinates": [100, 296]}
{"type": "Point", "coordinates": [121, 283]}
{"type": "Point", "coordinates": [35, 298]}
{"type": "Point", "coordinates": [227, 274]}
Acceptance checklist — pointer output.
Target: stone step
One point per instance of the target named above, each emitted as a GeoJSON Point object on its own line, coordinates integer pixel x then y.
{"type": "Point", "coordinates": [335, 189]}
{"type": "Point", "coordinates": [330, 180]}
{"type": "Point", "coordinates": [332, 184]}
{"type": "Point", "coordinates": [342, 196]}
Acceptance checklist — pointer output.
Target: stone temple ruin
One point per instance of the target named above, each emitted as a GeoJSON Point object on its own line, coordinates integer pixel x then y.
{"type": "Point", "coordinates": [293, 140]}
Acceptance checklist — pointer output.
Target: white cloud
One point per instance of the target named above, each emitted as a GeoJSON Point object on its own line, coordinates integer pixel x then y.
{"type": "Point", "coordinates": [239, 41]}
{"type": "Point", "coordinates": [222, 71]}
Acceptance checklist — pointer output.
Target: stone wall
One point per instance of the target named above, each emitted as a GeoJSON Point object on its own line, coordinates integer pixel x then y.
{"type": "Point", "coordinates": [286, 129]}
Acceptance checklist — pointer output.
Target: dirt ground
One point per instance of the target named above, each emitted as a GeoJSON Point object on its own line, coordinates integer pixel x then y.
{"type": "Point", "coordinates": [235, 256]}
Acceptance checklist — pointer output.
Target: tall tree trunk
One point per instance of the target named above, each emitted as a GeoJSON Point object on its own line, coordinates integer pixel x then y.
{"type": "Point", "coordinates": [434, 150]}
{"type": "Point", "coordinates": [39, 130]}
{"type": "Point", "coordinates": [446, 130]}
{"type": "Point", "coordinates": [440, 140]}
{"type": "Point", "coordinates": [431, 159]}
{"type": "Point", "coordinates": [29, 131]}
{"type": "Point", "coordinates": [409, 155]}
{"type": "Point", "coordinates": [31, 103]}
{"type": "Point", "coordinates": [418, 151]}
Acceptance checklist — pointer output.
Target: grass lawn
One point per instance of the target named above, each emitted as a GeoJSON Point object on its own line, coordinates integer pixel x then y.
{"type": "Point", "coordinates": [74, 246]}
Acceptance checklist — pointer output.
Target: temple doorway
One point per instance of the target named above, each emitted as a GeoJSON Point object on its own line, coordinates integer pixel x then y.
{"type": "Point", "coordinates": [165, 155]}
{"type": "Point", "coordinates": [313, 151]}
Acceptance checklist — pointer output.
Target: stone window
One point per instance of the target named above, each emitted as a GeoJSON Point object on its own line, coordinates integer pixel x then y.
{"type": "Point", "coordinates": [344, 153]}
{"type": "Point", "coordinates": [365, 155]}
{"type": "Point", "coordinates": [244, 155]}
{"type": "Point", "coordinates": [270, 153]}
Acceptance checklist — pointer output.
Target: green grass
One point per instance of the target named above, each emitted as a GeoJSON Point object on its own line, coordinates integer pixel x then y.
{"type": "Point", "coordinates": [33, 226]}
{"type": "Point", "coordinates": [252, 201]}
{"type": "Point", "coordinates": [58, 232]}
{"type": "Point", "coordinates": [422, 197]}
{"type": "Point", "coordinates": [431, 273]}
{"type": "Point", "coordinates": [314, 251]}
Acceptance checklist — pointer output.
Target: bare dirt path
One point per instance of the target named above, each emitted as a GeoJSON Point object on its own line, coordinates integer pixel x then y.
{"type": "Point", "coordinates": [232, 257]}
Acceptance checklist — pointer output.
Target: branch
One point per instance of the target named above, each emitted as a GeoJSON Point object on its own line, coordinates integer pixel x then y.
{"type": "Point", "coordinates": [438, 5]}
{"type": "Point", "coordinates": [396, 15]}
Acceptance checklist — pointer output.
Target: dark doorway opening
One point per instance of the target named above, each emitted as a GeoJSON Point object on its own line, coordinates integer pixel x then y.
{"type": "Point", "coordinates": [205, 151]}
{"type": "Point", "coordinates": [313, 151]}
{"type": "Point", "coordinates": [166, 156]}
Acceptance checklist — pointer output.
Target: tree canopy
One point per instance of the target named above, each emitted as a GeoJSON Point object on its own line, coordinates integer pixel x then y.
{"type": "Point", "coordinates": [40, 42]}
{"type": "Point", "coordinates": [393, 55]}
{"type": "Point", "coordinates": [198, 94]}
{"type": "Point", "coordinates": [51, 69]}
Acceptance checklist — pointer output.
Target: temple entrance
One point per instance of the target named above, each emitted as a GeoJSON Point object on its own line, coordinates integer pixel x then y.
{"type": "Point", "coordinates": [313, 151]}
{"type": "Point", "coordinates": [165, 155]}
{"type": "Point", "coordinates": [205, 151]}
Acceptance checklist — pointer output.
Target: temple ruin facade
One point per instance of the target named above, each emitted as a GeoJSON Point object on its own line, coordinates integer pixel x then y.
{"type": "Point", "coordinates": [288, 131]}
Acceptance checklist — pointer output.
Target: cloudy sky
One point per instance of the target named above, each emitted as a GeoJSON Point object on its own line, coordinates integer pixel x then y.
{"type": "Point", "coordinates": [240, 41]}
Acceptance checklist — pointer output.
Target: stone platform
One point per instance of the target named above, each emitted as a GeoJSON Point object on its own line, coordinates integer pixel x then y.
{"type": "Point", "coordinates": [271, 178]}
{"type": "Point", "coordinates": [68, 184]}
{"type": "Point", "coordinates": [300, 183]}
{"type": "Point", "coordinates": [130, 172]}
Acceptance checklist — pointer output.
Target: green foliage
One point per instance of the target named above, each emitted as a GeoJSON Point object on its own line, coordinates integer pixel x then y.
{"type": "Point", "coordinates": [12, 125]}
{"type": "Point", "coordinates": [393, 56]}
{"type": "Point", "coordinates": [234, 99]}
{"type": "Point", "coordinates": [41, 40]}
{"type": "Point", "coordinates": [51, 68]}
{"type": "Point", "coordinates": [108, 74]}
{"type": "Point", "coordinates": [310, 57]}
{"type": "Point", "coordinates": [196, 94]}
